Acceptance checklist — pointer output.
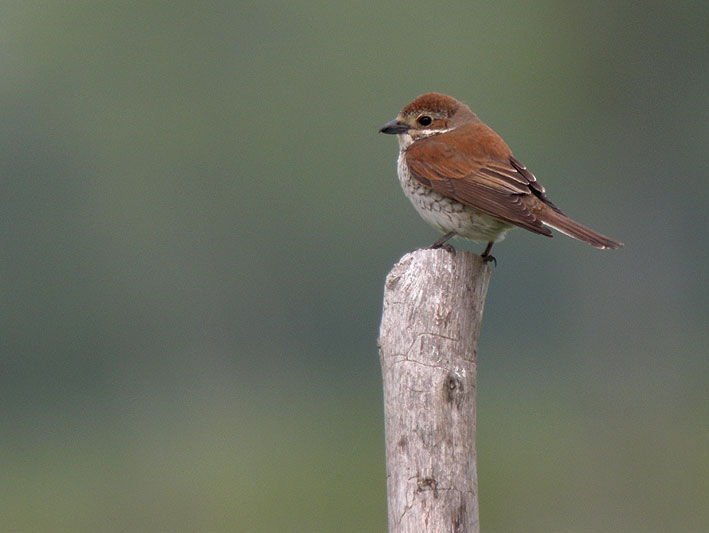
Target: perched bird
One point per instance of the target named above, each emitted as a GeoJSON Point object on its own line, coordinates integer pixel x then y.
{"type": "Point", "coordinates": [463, 179]}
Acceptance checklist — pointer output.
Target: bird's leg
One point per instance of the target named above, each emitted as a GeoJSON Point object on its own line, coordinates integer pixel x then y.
{"type": "Point", "coordinates": [441, 243]}
{"type": "Point", "coordinates": [486, 254]}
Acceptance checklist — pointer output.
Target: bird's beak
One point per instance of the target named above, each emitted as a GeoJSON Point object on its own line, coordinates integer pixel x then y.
{"type": "Point", "coordinates": [394, 127]}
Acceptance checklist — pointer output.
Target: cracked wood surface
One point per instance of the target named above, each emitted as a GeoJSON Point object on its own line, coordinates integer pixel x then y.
{"type": "Point", "coordinates": [433, 304]}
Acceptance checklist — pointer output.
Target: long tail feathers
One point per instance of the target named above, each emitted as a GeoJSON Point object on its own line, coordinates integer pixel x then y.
{"type": "Point", "coordinates": [573, 229]}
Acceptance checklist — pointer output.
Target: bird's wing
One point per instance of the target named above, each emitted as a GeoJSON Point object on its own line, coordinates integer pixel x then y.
{"type": "Point", "coordinates": [474, 166]}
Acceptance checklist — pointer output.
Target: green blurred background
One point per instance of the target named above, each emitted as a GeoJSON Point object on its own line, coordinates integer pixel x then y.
{"type": "Point", "coordinates": [198, 216]}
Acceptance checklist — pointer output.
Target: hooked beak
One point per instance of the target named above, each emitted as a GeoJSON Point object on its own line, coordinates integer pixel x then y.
{"type": "Point", "coordinates": [394, 127]}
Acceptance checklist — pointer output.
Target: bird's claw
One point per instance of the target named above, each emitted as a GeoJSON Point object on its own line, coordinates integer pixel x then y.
{"type": "Point", "coordinates": [447, 247]}
{"type": "Point", "coordinates": [489, 258]}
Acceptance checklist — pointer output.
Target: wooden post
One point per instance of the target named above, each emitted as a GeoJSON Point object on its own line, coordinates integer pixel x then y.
{"type": "Point", "coordinates": [433, 305]}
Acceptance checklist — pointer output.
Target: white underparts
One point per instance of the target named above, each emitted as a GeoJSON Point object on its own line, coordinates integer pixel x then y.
{"type": "Point", "coordinates": [446, 214]}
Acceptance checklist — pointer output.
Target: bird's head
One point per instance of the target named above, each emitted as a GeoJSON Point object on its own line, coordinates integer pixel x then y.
{"type": "Point", "coordinates": [428, 114]}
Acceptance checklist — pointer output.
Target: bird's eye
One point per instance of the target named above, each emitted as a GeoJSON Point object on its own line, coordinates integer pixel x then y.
{"type": "Point", "coordinates": [424, 120]}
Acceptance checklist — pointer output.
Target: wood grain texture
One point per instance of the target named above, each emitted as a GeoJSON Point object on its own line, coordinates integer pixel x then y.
{"type": "Point", "coordinates": [433, 305]}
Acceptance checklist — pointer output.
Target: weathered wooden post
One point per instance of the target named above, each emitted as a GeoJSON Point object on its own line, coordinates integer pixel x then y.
{"type": "Point", "coordinates": [433, 305]}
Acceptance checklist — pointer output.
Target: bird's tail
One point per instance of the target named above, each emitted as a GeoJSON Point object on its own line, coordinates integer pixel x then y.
{"type": "Point", "coordinates": [573, 229]}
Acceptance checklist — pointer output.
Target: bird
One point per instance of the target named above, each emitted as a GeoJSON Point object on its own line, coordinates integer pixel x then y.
{"type": "Point", "coordinates": [463, 180]}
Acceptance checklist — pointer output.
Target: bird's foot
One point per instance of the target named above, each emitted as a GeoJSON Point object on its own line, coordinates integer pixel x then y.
{"type": "Point", "coordinates": [487, 258]}
{"type": "Point", "coordinates": [486, 254]}
{"type": "Point", "coordinates": [441, 243]}
{"type": "Point", "coordinates": [447, 247]}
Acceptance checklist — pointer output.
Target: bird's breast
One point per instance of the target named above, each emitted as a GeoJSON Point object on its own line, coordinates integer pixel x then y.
{"type": "Point", "coordinates": [447, 214]}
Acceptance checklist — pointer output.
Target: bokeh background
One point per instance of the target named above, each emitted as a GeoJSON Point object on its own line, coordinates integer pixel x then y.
{"type": "Point", "coordinates": [198, 216]}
